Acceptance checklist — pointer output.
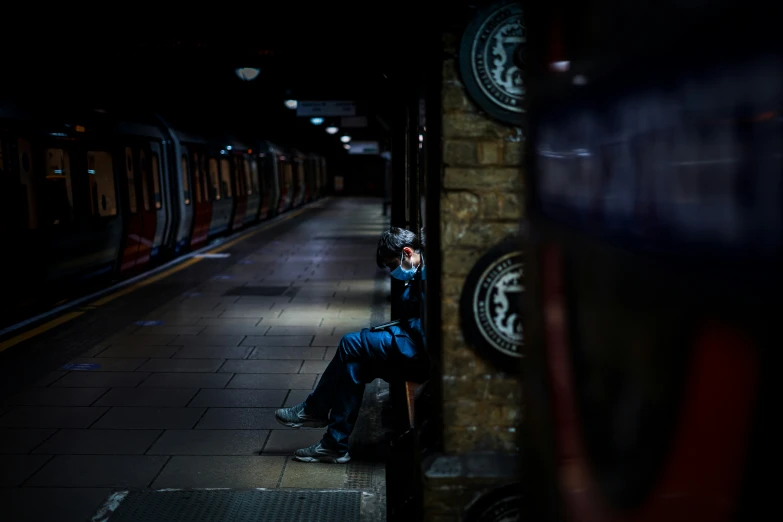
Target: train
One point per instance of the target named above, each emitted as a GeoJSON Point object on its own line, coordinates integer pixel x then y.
{"type": "Point", "coordinates": [93, 196]}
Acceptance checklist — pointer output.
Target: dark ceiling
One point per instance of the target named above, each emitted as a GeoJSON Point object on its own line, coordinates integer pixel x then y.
{"type": "Point", "coordinates": [182, 63]}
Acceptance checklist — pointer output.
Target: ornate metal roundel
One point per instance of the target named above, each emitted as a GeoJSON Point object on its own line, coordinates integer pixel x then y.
{"type": "Point", "coordinates": [503, 504]}
{"type": "Point", "coordinates": [491, 61]}
{"type": "Point", "coordinates": [491, 302]}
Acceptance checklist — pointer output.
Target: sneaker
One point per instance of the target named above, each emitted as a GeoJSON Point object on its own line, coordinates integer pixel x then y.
{"type": "Point", "coordinates": [319, 453]}
{"type": "Point", "coordinates": [295, 417]}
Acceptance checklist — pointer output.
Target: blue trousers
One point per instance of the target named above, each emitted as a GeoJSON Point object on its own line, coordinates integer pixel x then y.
{"type": "Point", "coordinates": [361, 357]}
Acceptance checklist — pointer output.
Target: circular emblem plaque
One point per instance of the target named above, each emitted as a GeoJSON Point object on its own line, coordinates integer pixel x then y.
{"type": "Point", "coordinates": [491, 302]}
{"type": "Point", "coordinates": [503, 504]}
{"type": "Point", "coordinates": [491, 61]}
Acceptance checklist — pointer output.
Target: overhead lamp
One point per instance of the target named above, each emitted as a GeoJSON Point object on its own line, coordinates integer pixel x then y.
{"type": "Point", "coordinates": [345, 139]}
{"type": "Point", "coordinates": [331, 129]}
{"type": "Point", "coordinates": [347, 147]}
{"type": "Point", "coordinates": [316, 121]}
{"type": "Point", "coordinates": [291, 104]}
{"type": "Point", "coordinates": [560, 66]}
{"type": "Point", "coordinates": [248, 74]}
{"type": "Point", "coordinates": [229, 147]}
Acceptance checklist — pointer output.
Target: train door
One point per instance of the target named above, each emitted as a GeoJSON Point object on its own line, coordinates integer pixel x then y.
{"type": "Point", "coordinates": [148, 212]}
{"type": "Point", "coordinates": [285, 177]}
{"type": "Point", "coordinates": [162, 220]}
{"type": "Point", "coordinates": [223, 205]}
{"type": "Point", "coordinates": [253, 193]}
{"type": "Point", "coordinates": [202, 210]}
{"type": "Point", "coordinates": [268, 166]}
{"type": "Point", "coordinates": [240, 191]}
{"type": "Point", "coordinates": [181, 184]}
{"type": "Point", "coordinates": [134, 224]}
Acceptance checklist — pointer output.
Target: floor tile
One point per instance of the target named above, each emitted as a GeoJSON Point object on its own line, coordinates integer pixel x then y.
{"type": "Point", "coordinates": [261, 366]}
{"type": "Point", "coordinates": [239, 398]}
{"type": "Point", "coordinates": [208, 340]}
{"type": "Point", "coordinates": [210, 442]}
{"type": "Point", "coordinates": [51, 416]}
{"type": "Point", "coordinates": [221, 472]}
{"type": "Point", "coordinates": [110, 364]}
{"type": "Point", "coordinates": [213, 352]}
{"type": "Point", "coordinates": [272, 381]}
{"type": "Point", "coordinates": [99, 442]}
{"type": "Point", "coordinates": [173, 329]}
{"type": "Point", "coordinates": [297, 330]}
{"type": "Point", "coordinates": [101, 379]}
{"type": "Point", "coordinates": [296, 397]}
{"type": "Point", "coordinates": [314, 366]}
{"type": "Point", "coordinates": [154, 352]}
{"type": "Point", "coordinates": [281, 340]}
{"type": "Point", "coordinates": [288, 352]}
{"type": "Point", "coordinates": [326, 340]}
{"type": "Point", "coordinates": [229, 321]}
{"type": "Point", "coordinates": [51, 504]}
{"type": "Point", "coordinates": [149, 418]}
{"type": "Point", "coordinates": [113, 471]}
{"type": "Point", "coordinates": [37, 396]}
{"type": "Point", "coordinates": [22, 440]}
{"type": "Point", "coordinates": [186, 380]}
{"type": "Point", "coordinates": [151, 397]}
{"type": "Point", "coordinates": [141, 340]}
{"type": "Point", "coordinates": [49, 378]}
{"type": "Point", "coordinates": [238, 419]}
{"type": "Point", "coordinates": [306, 475]}
{"type": "Point", "coordinates": [15, 469]}
{"type": "Point", "coordinates": [182, 365]}
{"type": "Point", "coordinates": [286, 441]}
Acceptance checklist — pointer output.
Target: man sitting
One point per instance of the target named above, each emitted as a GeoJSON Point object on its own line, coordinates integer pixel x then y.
{"type": "Point", "coordinates": [393, 352]}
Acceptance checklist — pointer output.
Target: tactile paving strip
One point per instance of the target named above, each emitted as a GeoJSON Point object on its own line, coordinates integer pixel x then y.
{"type": "Point", "coordinates": [238, 506]}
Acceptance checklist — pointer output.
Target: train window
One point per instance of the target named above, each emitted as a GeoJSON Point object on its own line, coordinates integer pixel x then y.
{"type": "Point", "coordinates": [214, 177]}
{"type": "Point", "coordinates": [144, 172]}
{"type": "Point", "coordinates": [225, 177]}
{"type": "Point", "coordinates": [185, 180]}
{"type": "Point", "coordinates": [197, 177]}
{"type": "Point", "coordinates": [253, 168]}
{"type": "Point", "coordinates": [100, 170]}
{"type": "Point", "coordinates": [249, 179]}
{"type": "Point", "coordinates": [239, 177]}
{"type": "Point", "coordinates": [59, 191]}
{"type": "Point", "coordinates": [131, 180]}
{"type": "Point", "coordinates": [204, 178]}
{"type": "Point", "coordinates": [156, 180]}
{"type": "Point", "coordinates": [24, 150]}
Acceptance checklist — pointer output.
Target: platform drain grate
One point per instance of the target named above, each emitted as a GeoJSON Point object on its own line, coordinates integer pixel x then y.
{"type": "Point", "coordinates": [238, 506]}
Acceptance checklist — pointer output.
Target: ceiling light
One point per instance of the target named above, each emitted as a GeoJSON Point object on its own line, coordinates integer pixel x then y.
{"type": "Point", "coordinates": [345, 139]}
{"type": "Point", "coordinates": [291, 104]}
{"type": "Point", "coordinates": [248, 73]}
{"type": "Point", "coordinates": [331, 129]}
{"type": "Point", "coordinates": [316, 121]}
{"type": "Point", "coordinates": [347, 147]}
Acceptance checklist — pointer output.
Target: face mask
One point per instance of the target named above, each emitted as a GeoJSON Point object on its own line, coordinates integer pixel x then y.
{"type": "Point", "coordinates": [404, 274]}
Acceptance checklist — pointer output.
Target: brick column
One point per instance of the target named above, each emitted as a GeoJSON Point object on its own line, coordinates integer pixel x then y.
{"type": "Point", "coordinates": [481, 203]}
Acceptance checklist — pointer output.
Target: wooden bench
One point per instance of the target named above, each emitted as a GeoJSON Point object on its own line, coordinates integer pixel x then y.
{"type": "Point", "coordinates": [410, 399]}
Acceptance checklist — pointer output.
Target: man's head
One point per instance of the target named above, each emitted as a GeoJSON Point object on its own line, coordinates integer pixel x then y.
{"type": "Point", "coordinates": [398, 247]}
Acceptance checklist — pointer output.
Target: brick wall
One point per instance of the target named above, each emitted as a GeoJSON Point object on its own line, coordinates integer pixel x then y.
{"type": "Point", "coordinates": [481, 203]}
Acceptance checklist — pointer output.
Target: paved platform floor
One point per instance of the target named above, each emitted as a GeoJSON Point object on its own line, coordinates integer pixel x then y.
{"type": "Point", "coordinates": [174, 385]}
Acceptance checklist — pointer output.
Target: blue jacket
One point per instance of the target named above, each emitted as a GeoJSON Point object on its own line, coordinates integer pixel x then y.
{"type": "Point", "coordinates": [412, 309]}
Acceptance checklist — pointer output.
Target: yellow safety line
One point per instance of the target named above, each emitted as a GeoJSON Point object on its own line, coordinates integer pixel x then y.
{"type": "Point", "coordinates": [125, 291]}
{"type": "Point", "coordinates": [38, 330]}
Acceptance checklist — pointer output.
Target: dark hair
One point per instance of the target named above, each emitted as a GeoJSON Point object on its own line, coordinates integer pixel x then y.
{"type": "Point", "coordinates": [392, 242]}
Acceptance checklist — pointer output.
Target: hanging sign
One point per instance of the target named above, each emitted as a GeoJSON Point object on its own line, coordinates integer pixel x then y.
{"type": "Point", "coordinates": [326, 108]}
{"type": "Point", "coordinates": [490, 61]}
{"type": "Point", "coordinates": [491, 302]}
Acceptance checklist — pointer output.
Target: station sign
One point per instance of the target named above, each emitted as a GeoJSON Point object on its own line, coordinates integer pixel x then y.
{"type": "Point", "coordinates": [353, 122]}
{"type": "Point", "coordinates": [364, 147]}
{"type": "Point", "coordinates": [326, 108]}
